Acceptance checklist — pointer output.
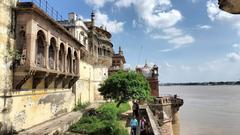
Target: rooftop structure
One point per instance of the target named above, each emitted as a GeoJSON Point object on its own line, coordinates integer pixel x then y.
{"type": "Point", "coordinates": [151, 74]}
{"type": "Point", "coordinates": [100, 44]}
{"type": "Point", "coordinates": [118, 61]}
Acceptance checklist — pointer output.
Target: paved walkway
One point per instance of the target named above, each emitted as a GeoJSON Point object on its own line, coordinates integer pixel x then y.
{"type": "Point", "coordinates": [58, 125]}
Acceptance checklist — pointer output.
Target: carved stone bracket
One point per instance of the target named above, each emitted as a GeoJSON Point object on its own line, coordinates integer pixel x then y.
{"type": "Point", "coordinates": [66, 81]}
{"type": "Point", "coordinates": [21, 78]}
{"type": "Point", "coordinates": [58, 80]}
{"type": "Point", "coordinates": [38, 77]}
{"type": "Point", "coordinates": [72, 82]}
{"type": "Point", "coordinates": [49, 79]}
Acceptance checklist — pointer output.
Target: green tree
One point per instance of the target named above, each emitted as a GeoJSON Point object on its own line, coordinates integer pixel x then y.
{"type": "Point", "coordinates": [124, 86]}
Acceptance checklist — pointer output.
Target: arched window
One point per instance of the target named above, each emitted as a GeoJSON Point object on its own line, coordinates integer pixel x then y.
{"type": "Point", "coordinates": [85, 41]}
{"type": "Point", "coordinates": [104, 51]}
{"type": "Point", "coordinates": [75, 63]}
{"type": "Point", "coordinates": [61, 58]}
{"type": "Point", "coordinates": [99, 51]}
{"type": "Point", "coordinates": [76, 35]}
{"type": "Point", "coordinates": [41, 41]}
{"type": "Point", "coordinates": [108, 53]}
{"type": "Point", "coordinates": [80, 38]}
{"type": "Point", "coordinates": [51, 53]}
{"type": "Point", "coordinates": [69, 61]}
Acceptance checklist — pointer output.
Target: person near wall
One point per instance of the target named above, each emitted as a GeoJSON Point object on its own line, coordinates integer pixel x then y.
{"type": "Point", "coordinates": [135, 108]}
{"type": "Point", "coordinates": [134, 124]}
{"type": "Point", "coordinates": [143, 126]}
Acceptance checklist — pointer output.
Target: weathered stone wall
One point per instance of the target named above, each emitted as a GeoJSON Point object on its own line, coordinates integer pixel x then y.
{"type": "Point", "coordinates": [7, 42]}
{"type": "Point", "coordinates": [100, 74]}
{"type": "Point", "coordinates": [29, 108]}
{"type": "Point", "coordinates": [88, 84]}
{"type": "Point", "coordinates": [165, 110]}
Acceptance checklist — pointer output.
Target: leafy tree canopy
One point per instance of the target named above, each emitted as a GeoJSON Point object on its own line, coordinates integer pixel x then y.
{"type": "Point", "coordinates": [124, 86]}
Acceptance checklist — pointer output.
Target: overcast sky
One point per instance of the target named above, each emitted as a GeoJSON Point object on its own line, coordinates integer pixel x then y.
{"type": "Point", "coordinates": [190, 40]}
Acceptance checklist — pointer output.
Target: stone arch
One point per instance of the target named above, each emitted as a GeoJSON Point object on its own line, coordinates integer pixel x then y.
{"type": "Point", "coordinates": [69, 60]}
{"type": "Point", "coordinates": [51, 53]}
{"type": "Point", "coordinates": [61, 57]}
{"type": "Point", "coordinates": [41, 44]}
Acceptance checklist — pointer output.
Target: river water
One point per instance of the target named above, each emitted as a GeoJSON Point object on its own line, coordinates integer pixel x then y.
{"type": "Point", "coordinates": [208, 110]}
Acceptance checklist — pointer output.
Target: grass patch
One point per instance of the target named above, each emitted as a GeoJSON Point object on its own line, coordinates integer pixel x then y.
{"type": "Point", "coordinates": [80, 106]}
{"type": "Point", "coordinates": [106, 122]}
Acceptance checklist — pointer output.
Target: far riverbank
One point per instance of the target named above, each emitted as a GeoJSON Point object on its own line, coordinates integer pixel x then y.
{"type": "Point", "coordinates": [201, 83]}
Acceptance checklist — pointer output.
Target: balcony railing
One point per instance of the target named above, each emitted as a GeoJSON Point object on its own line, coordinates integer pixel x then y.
{"type": "Point", "coordinates": [46, 7]}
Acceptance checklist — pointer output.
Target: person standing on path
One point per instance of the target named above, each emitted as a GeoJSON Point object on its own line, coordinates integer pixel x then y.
{"type": "Point", "coordinates": [143, 130]}
{"type": "Point", "coordinates": [135, 108]}
{"type": "Point", "coordinates": [134, 124]}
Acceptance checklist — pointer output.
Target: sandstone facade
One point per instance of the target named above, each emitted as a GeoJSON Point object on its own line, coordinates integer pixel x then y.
{"type": "Point", "coordinates": [54, 71]}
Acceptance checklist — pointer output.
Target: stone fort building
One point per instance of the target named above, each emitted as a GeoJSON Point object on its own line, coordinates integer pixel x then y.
{"type": "Point", "coordinates": [48, 64]}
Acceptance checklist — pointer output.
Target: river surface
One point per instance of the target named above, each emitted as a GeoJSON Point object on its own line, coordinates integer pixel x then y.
{"type": "Point", "coordinates": [208, 110]}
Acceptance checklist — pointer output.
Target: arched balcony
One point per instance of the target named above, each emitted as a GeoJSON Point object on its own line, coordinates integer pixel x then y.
{"type": "Point", "coordinates": [40, 45]}
{"type": "Point", "coordinates": [49, 55]}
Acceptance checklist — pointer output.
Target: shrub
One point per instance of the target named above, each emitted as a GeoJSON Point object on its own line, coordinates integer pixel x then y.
{"type": "Point", "coordinates": [80, 106]}
{"type": "Point", "coordinates": [108, 112]}
{"type": "Point", "coordinates": [123, 108]}
{"type": "Point", "coordinates": [104, 123]}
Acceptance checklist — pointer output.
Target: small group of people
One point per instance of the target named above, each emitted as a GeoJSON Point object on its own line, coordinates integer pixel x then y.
{"type": "Point", "coordinates": [136, 121]}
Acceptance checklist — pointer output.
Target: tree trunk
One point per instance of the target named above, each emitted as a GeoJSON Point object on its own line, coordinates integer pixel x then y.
{"type": "Point", "coordinates": [118, 104]}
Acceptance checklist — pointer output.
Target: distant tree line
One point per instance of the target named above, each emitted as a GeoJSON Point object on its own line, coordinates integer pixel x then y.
{"type": "Point", "coordinates": [202, 83]}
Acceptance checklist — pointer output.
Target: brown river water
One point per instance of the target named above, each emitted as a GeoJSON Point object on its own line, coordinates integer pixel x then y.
{"type": "Point", "coordinates": [208, 110]}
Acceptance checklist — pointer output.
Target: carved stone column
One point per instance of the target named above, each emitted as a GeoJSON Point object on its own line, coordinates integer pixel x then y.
{"type": "Point", "coordinates": [31, 49]}
{"type": "Point", "coordinates": [78, 62]}
{"type": "Point", "coordinates": [57, 58]}
{"type": "Point", "coordinates": [65, 58]}
{"type": "Point", "coordinates": [46, 48]}
{"type": "Point", "coordinates": [31, 39]}
{"type": "Point", "coordinates": [57, 54]}
{"type": "Point", "coordinates": [71, 62]}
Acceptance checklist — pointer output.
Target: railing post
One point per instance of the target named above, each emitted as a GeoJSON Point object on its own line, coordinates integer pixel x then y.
{"type": "Point", "coordinates": [46, 6]}
{"type": "Point", "coordinates": [52, 12]}
{"type": "Point", "coordinates": [40, 2]}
